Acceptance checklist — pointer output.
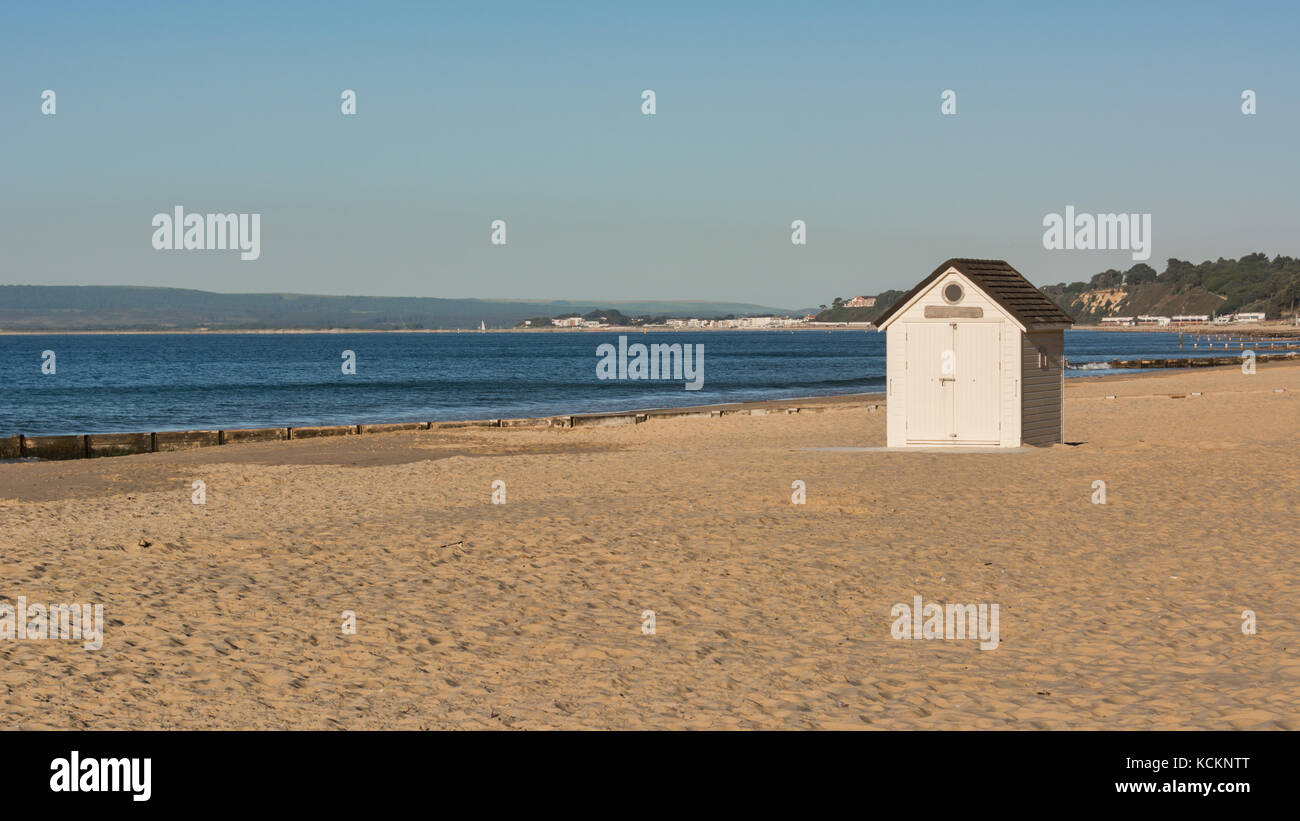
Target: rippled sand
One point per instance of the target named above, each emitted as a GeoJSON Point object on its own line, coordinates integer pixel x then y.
{"type": "Point", "coordinates": [768, 614]}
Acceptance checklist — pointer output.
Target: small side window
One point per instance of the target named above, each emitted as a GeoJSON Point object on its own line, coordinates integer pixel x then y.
{"type": "Point", "coordinates": [1044, 361]}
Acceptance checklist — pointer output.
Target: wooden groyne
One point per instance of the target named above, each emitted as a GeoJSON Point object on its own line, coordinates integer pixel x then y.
{"type": "Point", "coordinates": [1282, 331]}
{"type": "Point", "coordinates": [1197, 361]}
{"type": "Point", "coordinates": [89, 446]}
{"type": "Point", "coordinates": [1225, 342]}
{"type": "Point", "coordinates": [93, 445]}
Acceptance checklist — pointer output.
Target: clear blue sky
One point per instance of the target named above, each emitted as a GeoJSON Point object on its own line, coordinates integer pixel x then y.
{"type": "Point", "coordinates": [767, 112]}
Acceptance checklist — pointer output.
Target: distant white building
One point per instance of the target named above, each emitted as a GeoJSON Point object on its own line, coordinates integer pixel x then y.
{"type": "Point", "coordinates": [1117, 320]}
{"type": "Point", "coordinates": [768, 322]}
{"type": "Point", "coordinates": [1248, 317]}
{"type": "Point", "coordinates": [1192, 318]}
{"type": "Point", "coordinates": [568, 322]}
{"type": "Point", "coordinates": [1145, 319]}
{"type": "Point", "coordinates": [861, 302]}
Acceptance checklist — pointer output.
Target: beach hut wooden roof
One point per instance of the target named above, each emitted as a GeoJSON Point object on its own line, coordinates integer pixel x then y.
{"type": "Point", "coordinates": [1006, 286]}
{"type": "Point", "coordinates": [975, 356]}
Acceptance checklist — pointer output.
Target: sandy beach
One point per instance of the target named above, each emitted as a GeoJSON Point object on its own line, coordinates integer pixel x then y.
{"type": "Point", "coordinates": [768, 614]}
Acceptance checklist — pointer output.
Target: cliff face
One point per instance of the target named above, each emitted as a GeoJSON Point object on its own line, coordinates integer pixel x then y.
{"type": "Point", "coordinates": [1105, 301]}
{"type": "Point", "coordinates": [1154, 298]}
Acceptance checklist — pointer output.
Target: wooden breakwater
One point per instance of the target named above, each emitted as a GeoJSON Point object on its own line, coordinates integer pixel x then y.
{"type": "Point", "coordinates": [1241, 342]}
{"type": "Point", "coordinates": [89, 446]}
{"type": "Point", "coordinates": [93, 445]}
{"type": "Point", "coordinates": [1197, 361]}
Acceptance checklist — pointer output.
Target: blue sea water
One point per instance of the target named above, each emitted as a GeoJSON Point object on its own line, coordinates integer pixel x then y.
{"type": "Point", "coordinates": [147, 382]}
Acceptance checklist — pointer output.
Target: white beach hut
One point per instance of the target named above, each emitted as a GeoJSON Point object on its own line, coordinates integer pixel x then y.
{"type": "Point", "coordinates": [975, 357]}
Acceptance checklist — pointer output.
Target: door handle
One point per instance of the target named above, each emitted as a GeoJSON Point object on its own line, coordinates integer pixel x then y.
{"type": "Point", "coordinates": [947, 379]}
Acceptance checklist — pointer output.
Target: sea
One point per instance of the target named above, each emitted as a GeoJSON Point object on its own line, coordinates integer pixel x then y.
{"type": "Point", "coordinates": [110, 383]}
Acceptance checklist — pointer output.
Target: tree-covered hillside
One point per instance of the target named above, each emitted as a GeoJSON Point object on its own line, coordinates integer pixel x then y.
{"type": "Point", "coordinates": [1252, 283]}
{"type": "Point", "coordinates": [113, 307]}
{"type": "Point", "coordinates": [838, 312]}
{"type": "Point", "coordinates": [1224, 286]}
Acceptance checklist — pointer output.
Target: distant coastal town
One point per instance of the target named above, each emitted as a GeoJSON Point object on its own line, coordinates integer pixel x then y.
{"type": "Point", "coordinates": [1253, 290]}
{"type": "Point", "coordinates": [1186, 319]}
{"type": "Point", "coordinates": [835, 317]}
{"type": "Point", "coordinates": [610, 318]}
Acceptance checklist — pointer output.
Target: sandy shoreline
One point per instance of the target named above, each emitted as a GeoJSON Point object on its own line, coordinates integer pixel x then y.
{"type": "Point", "coordinates": [759, 405]}
{"type": "Point", "coordinates": [529, 614]}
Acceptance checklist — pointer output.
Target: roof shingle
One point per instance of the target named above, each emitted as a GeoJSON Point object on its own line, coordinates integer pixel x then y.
{"type": "Point", "coordinates": [1003, 284]}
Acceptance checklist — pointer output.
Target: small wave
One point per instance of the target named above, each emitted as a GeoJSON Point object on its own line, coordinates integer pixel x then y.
{"type": "Point", "coordinates": [1089, 366]}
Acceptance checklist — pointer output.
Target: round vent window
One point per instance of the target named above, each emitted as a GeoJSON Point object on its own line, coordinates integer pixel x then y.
{"type": "Point", "coordinates": [952, 292]}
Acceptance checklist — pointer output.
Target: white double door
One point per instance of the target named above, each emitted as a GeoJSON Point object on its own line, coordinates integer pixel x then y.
{"type": "Point", "coordinates": [954, 382]}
